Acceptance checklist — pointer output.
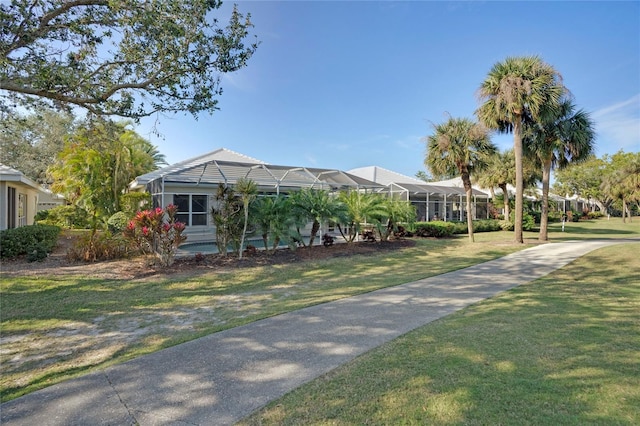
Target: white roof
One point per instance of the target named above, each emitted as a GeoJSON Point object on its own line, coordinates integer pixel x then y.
{"type": "Point", "coordinates": [383, 176]}
{"type": "Point", "coordinates": [221, 154]}
{"type": "Point", "coordinates": [225, 166]}
{"type": "Point", "coordinates": [12, 175]}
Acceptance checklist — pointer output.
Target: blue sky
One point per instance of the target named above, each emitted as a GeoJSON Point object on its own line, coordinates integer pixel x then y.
{"type": "Point", "coordinates": [352, 84]}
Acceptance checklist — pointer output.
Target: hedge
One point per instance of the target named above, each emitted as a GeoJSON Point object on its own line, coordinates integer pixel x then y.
{"type": "Point", "coordinates": [37, 239]}
{"type": "Point", "coordinates": [439, 229]}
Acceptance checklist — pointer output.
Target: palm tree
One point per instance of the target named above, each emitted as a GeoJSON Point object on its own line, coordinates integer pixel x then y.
{"type": "Point", "coordinates": [274, 220]}
{"type": "Point", "coordinates": [318, 206]}
{"type": "Point", "coordinates": [361, 207]}
{"type": "Point", "coordinates": [395, 211]}
{"type": "Point", "coordinates": [515, 89]}
{"type": "Point", "coordinates": [248, 191]}
{"type": "Point", "coordinates": [623, 184]}
{"type": "Point", "coordinates": [562, 139]}
{"type": "Point", "coordinates": [461, 146]}
{"type": "Point", "coordinates": [499, 172]}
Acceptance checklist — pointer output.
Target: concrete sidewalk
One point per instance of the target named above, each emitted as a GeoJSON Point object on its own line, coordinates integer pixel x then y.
{"type": "Point", "coordinates": [221, 378]}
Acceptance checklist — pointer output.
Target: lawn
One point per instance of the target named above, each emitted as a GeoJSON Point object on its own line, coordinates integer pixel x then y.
{"type": "Point", "coordinates": [564, 349]}
{"type": "Point", "coordinates": [53, 328]}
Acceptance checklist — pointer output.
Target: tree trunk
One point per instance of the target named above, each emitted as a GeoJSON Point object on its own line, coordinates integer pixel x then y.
{"type": "Point", "coordinates": [244, 228]}
{"type": "Point", "coordinates": [544, 217]}
{"type": "Point", "coordinates": [505, 199]}
{"type": "Point", "coordinates": [517, 149]}
{"type": "Point", "coordinates": [314, 230]}
{"type": "Point", "coordinates": [467, 187]}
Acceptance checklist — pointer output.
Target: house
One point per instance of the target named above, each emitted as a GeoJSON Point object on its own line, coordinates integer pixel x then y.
{"type": "Point", "coordinates": [19, 197]}
{"type": "Point", "coordinates": [191, 184]}
{"type": "Point", "coordinates": [433, 200]}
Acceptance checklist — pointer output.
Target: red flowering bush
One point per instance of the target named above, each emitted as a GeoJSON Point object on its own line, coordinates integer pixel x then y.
{"type": "Point", "coordinates": [157, 231]}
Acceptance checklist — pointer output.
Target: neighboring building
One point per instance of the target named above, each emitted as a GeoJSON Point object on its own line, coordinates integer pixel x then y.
{"type": "Point", "coordinates": [191, 184]}
{"type": "Point", "coordinates": [433, 200]}
{"type": "Point", "coordinates": [49, 200]}
{"type": "Point", "coordinates": [18, 198]}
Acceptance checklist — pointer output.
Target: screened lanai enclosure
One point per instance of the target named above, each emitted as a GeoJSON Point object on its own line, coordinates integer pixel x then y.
{"type": "Point", "coordinates": [434, 202]}
{"type": "Point", "coordinates": [445, 201]}
{"type": "Point", "coordinates": [191, 184]}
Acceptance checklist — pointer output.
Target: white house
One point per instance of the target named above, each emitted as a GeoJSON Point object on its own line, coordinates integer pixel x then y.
{"type": "Point", "coordinates": [191, 184]}
{"type": "Point", "coordinates": [18, 198]}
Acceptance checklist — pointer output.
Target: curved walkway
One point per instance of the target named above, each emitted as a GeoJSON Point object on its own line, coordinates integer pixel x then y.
{"type": "Point", "coordinates": [221, 378]}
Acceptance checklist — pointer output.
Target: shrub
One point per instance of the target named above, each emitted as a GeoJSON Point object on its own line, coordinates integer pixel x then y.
{"type": "Point", "coordinates": [118, 222]}
{"type": "Point", "coordinates": [153, 234]}
{"type": "Point", "coordinates": [595, 215]}
{"type": "Point", "coordinates": [133, 202]}
{"type": "Point", "coordinates": [64, 217]}
{"type": "Point", "coordinates": [18, 241]}
{"type": "Point", "coordinates": [37, 253]}
{"type": "Point", "coordinates": [555, 216]}
{"type": "Point", "coordinates": [435, 229]}
{"type": "Point", "coordinates": [528, 223]}
{"type": "Point", "coordinates": [486, 225]}
{"type": "Point", "coordinates": [507, 225]}
{"type": "Point", "coordinates": [98, 246]}
{"type": "Point", "coordinates": [440, 229]}
{"type": "Point", "coordinates": [537, 215]}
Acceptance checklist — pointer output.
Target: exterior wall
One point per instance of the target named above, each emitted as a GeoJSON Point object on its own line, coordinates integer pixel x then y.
{"type": "Point", "coordinates": [23, 204]}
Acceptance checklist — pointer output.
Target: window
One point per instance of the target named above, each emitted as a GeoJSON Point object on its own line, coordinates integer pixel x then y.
{"type": "Point", "coordinates": [22, 209]}
{"type": "Point", "coordinates": [192, 209]}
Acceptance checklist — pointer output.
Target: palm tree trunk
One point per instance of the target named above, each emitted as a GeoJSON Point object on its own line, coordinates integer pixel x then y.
{"type": "Point", "coordinates": [244, 228]}
{"type": "Point", "coordinates": [517, 150]}
{"type": "Point", "coordinates": [544, 217]}
{"type": "Point", "coordinates": [505, 199]}
{"type": "Point", "coordinates": [314, 230]}
{"type": "Point", "coordinates": [467, 187]}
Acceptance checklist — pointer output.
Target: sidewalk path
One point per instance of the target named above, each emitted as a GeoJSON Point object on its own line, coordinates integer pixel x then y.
{"type": "Point", "coordinates": [221, 378]}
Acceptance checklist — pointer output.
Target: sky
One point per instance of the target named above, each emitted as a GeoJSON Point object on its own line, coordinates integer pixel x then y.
{"type": "Point", "coordinates": [351, 84]}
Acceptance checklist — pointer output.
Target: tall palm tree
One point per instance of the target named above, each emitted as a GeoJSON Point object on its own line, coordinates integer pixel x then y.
{"type": "Point", "coordinates": [516, 88]}
{"type": "Point", "coordinates": [563, 138]}
{"type": "Point", "coordinates": [461, 146]}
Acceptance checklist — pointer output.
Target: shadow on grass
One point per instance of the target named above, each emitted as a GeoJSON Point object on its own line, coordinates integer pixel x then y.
{"type": "Point", "coordinates": [562, 350]}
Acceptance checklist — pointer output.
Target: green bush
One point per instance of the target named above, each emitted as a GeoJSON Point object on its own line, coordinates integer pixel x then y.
{"type": "Point", "coordinates": [528, 222]}
{"type": "Point", "coordinates": [555, 216]}
{"type": "Point", "coordinates": [64, 217]}
{"type": "Point", "coordinates": [37, 253]}
{"type": "Point", "coordinates": [507, 225]}
{"type": "Point", "coordinates": [536, 215]}
{"type": "Point", "coordinates": [118, 221]}
{"type": "Point", "coordinates": [595, 215]}
{"type": "Point", "coordinates": [435, 229]}
{"type": "Point", "coordinates": [439, 229]}
{"type": "Point", "coordinates": [486, 225]}
{"type": "Point", "coordinates": [133, 202]}
{"type": "Point", "coordinates": [18, 241]}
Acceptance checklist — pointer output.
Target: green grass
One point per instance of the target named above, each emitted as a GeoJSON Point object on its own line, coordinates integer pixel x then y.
{"type": "Point", "coordinates": [564, 349]}
{"type": "Point", "coordinates": [57, 327]}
